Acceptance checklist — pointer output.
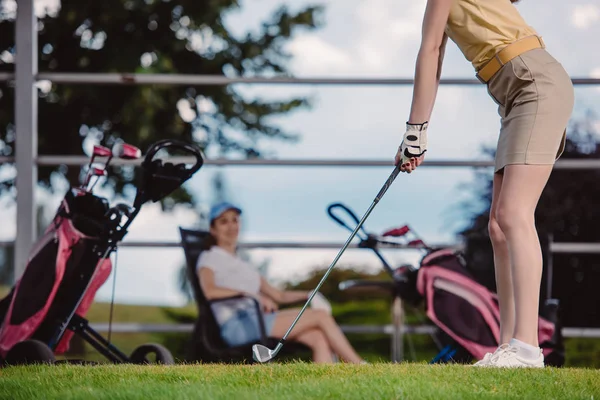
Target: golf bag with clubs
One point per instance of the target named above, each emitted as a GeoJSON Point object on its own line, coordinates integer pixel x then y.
{"type": "Point", "coordinates": [465, 312]}
{"type": "Point", "coordinates": [71, 261]}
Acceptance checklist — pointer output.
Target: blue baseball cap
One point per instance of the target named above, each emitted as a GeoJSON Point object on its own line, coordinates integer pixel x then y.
{"type": "Point", "coordinates": [220, 208]}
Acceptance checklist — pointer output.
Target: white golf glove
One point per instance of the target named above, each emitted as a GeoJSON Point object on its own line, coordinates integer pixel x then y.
{"type": "Point", "coordinates": [414, 143]}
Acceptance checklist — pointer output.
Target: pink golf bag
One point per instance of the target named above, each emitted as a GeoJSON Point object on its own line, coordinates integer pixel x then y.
{"type": "Point", "coordinates": [466, 310]}
{"type": "Point", "coordinates": [71, 261]}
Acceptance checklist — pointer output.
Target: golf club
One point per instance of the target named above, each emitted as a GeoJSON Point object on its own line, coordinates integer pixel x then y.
{"type": "Point", "coordinates": [262, 353]}
{"type": "Point", "coordinates": [120, 150]}
{"type": "Point", "coordinates": [99, 151]}
{"type": "Point", "coordinates": [98, 173]}
{"type": "Point", "coordinates": [126, 151]}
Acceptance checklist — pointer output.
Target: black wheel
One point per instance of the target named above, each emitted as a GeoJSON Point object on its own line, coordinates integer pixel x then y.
{"type": "Point", "coordinates": [30, 352]}
{"type": "Point", "coordinates": [152, 353]}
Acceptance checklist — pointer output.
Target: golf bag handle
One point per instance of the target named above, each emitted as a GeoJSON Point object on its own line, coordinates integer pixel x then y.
{"type": "Point", "coordinates": [159, 179]}
{"type": "Point", "coordinates": [161, 144]}
{"type": "Point", "coordinates": [342, 223]}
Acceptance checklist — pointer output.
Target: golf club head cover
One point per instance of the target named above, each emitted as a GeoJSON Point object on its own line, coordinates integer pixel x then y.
{"type": "Point", "coordinates": [397, 232]}
{"type": "Point", "coordinates": [414, 143]}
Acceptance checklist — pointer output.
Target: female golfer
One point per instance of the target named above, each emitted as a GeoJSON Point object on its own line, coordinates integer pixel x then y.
{"type": "Point", "coordinates": [535, 99]}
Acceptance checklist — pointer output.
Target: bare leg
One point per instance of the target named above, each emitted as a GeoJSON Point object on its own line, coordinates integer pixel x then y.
{"type": "Point", "coordinates": [316, 340]}
{"type": "Point", "coordinates": [504, 285]}
{"type": "Point", "coordinates": [522, 187]}
{"type": "Point", "coordinates": [315, 319]}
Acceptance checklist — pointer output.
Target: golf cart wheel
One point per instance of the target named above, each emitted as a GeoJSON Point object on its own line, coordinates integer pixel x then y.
{"type": "Point", "coordinates": [29, 352]}
{"type": "Point", "coordinates": [152, 353]}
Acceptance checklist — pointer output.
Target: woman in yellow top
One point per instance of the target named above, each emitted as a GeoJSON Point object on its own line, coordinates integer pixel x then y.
{"type": "Point", "coordinates": [535, 99]}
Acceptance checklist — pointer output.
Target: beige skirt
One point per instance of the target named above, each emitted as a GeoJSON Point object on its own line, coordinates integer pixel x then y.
{"type": "Point", "coordinates": [535, 100]}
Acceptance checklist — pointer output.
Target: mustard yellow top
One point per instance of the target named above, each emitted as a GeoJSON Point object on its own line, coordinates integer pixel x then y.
{"type": "Point", "coordinates": [481, 28]}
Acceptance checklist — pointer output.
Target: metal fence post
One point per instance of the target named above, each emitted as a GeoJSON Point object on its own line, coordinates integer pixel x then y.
{"type": "Point", "coordinates": [26, 68]}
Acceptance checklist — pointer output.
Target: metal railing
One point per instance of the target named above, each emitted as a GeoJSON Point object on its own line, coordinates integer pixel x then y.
{"type": "Point", "coordinates": [70, 160]}
{"type": "Point", "coordinates": [220, 80]}
{"type": "Point", "coordinates": [555, 248]}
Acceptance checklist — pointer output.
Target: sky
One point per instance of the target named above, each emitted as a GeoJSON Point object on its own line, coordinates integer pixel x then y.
{"type": "Point", "coordinates": [360, 38]}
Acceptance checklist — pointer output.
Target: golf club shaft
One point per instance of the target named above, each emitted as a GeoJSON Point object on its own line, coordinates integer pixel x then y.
{"type": "Point", "coordinates": [95, 182]}
{"type": "Point", "coordinates": [385, 187]}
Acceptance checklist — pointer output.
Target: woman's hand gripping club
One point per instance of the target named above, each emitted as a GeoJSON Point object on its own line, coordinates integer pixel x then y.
{"type": "Point", "coordinates": [411, 151]}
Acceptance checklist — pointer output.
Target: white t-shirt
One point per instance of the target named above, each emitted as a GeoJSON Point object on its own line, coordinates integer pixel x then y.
{"type": "Point", "coordinates": [231, 272]}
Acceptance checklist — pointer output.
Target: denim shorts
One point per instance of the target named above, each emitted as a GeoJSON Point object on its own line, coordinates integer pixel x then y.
{"type": "Point", "coordinates": [243, 327]}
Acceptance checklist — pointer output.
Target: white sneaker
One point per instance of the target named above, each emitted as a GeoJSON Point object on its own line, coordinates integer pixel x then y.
{"type": "Point", "coordinates": [488, 356]}
{"type": "Point", "coordinates": [509, 358]}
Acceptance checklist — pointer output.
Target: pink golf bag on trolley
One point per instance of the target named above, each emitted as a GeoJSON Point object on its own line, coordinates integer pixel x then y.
{"type": "Point", "coordinates": [71, 261]}
{"type": "Point", "coordinates": [465, 312]}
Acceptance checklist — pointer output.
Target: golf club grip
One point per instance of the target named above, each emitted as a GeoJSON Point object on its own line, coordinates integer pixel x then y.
{"type": "Point", "coordinates": [388, 183]}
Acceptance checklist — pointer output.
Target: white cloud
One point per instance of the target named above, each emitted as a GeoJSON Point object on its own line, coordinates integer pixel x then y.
{"type": "Point", "coordinates": [314, 56]}
{"type": "Point", "coordinates": [387, 27]}
{"type": "Point", "coordinates": [585, 15]}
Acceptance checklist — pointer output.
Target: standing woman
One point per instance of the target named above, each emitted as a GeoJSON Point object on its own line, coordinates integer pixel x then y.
{"type": "Point", "coordinates": [535, 98]}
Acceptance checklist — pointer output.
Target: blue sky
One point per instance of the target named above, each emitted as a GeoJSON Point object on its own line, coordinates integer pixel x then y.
{"type": "Point", "coordinates": [361, 38]}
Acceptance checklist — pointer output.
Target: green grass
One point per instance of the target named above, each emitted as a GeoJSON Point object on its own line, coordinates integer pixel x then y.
{"type": "Point", "coordinates": [295, 381]}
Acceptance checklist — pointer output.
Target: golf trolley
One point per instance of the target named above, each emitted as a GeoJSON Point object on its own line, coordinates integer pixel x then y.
{"type": "Point", "coordinates": [71, 261]}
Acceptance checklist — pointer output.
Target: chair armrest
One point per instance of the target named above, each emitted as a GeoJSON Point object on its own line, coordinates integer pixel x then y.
{"type": "Point", "coordinates": [241, 297]}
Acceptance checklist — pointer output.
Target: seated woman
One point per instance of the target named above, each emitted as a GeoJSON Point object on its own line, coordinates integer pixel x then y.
{"type": "Point", "coordinates": [223, 273]}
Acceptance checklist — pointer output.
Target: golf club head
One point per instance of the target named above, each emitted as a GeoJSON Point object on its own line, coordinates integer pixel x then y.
{"type": "Point", "coordinates": [96, 171]}
{"type": "Point", "coordinates": [262, 353]}
{"type": "Point", "coordinates": [126, 151]}
{"type": "Point", "coordinates": [397, 232]}
{"type": "Point", "coordinates": [101, 151]}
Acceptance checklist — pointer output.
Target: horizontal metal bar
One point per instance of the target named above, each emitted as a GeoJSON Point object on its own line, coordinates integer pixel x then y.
{"type": "Point", "coordinates": [219, 80]}
{"type": "Point", "coordinates": [260, 245]}
{"type": "Point", "coordinates": [278, 245]}
{"type": "Point", "coordinates": [581, 332]}
{"type": "Point", "coordinates": [388, 329]}
{"type": "Point", "coordinates": [281, 245]}
{"type": "Point", "coordinates": [6, 76]}
{"type": "Point", "coordinates": [82, 160]}
{"type": "Point", "coordinates": [52, 160]}
{"type": "Point", "coordinates": [188, 79]}
{"type": "Point", "coordinates": [562, 248]}
{"type": "Point", "coordinates": [126, 327]}
{"type": "Point", "coordinates": [131, 327]}
{"type": "Point", "coordinates": [573, 248]}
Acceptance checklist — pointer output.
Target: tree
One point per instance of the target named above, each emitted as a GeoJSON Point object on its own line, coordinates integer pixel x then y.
{"type": "Point", "coordinates": [567, 212]}
{"type": "Point", "coordinates": [151, 36]}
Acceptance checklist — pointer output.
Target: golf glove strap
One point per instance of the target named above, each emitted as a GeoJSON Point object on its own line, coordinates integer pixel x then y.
{"type": "Point", "coordinates": [414, 143]}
